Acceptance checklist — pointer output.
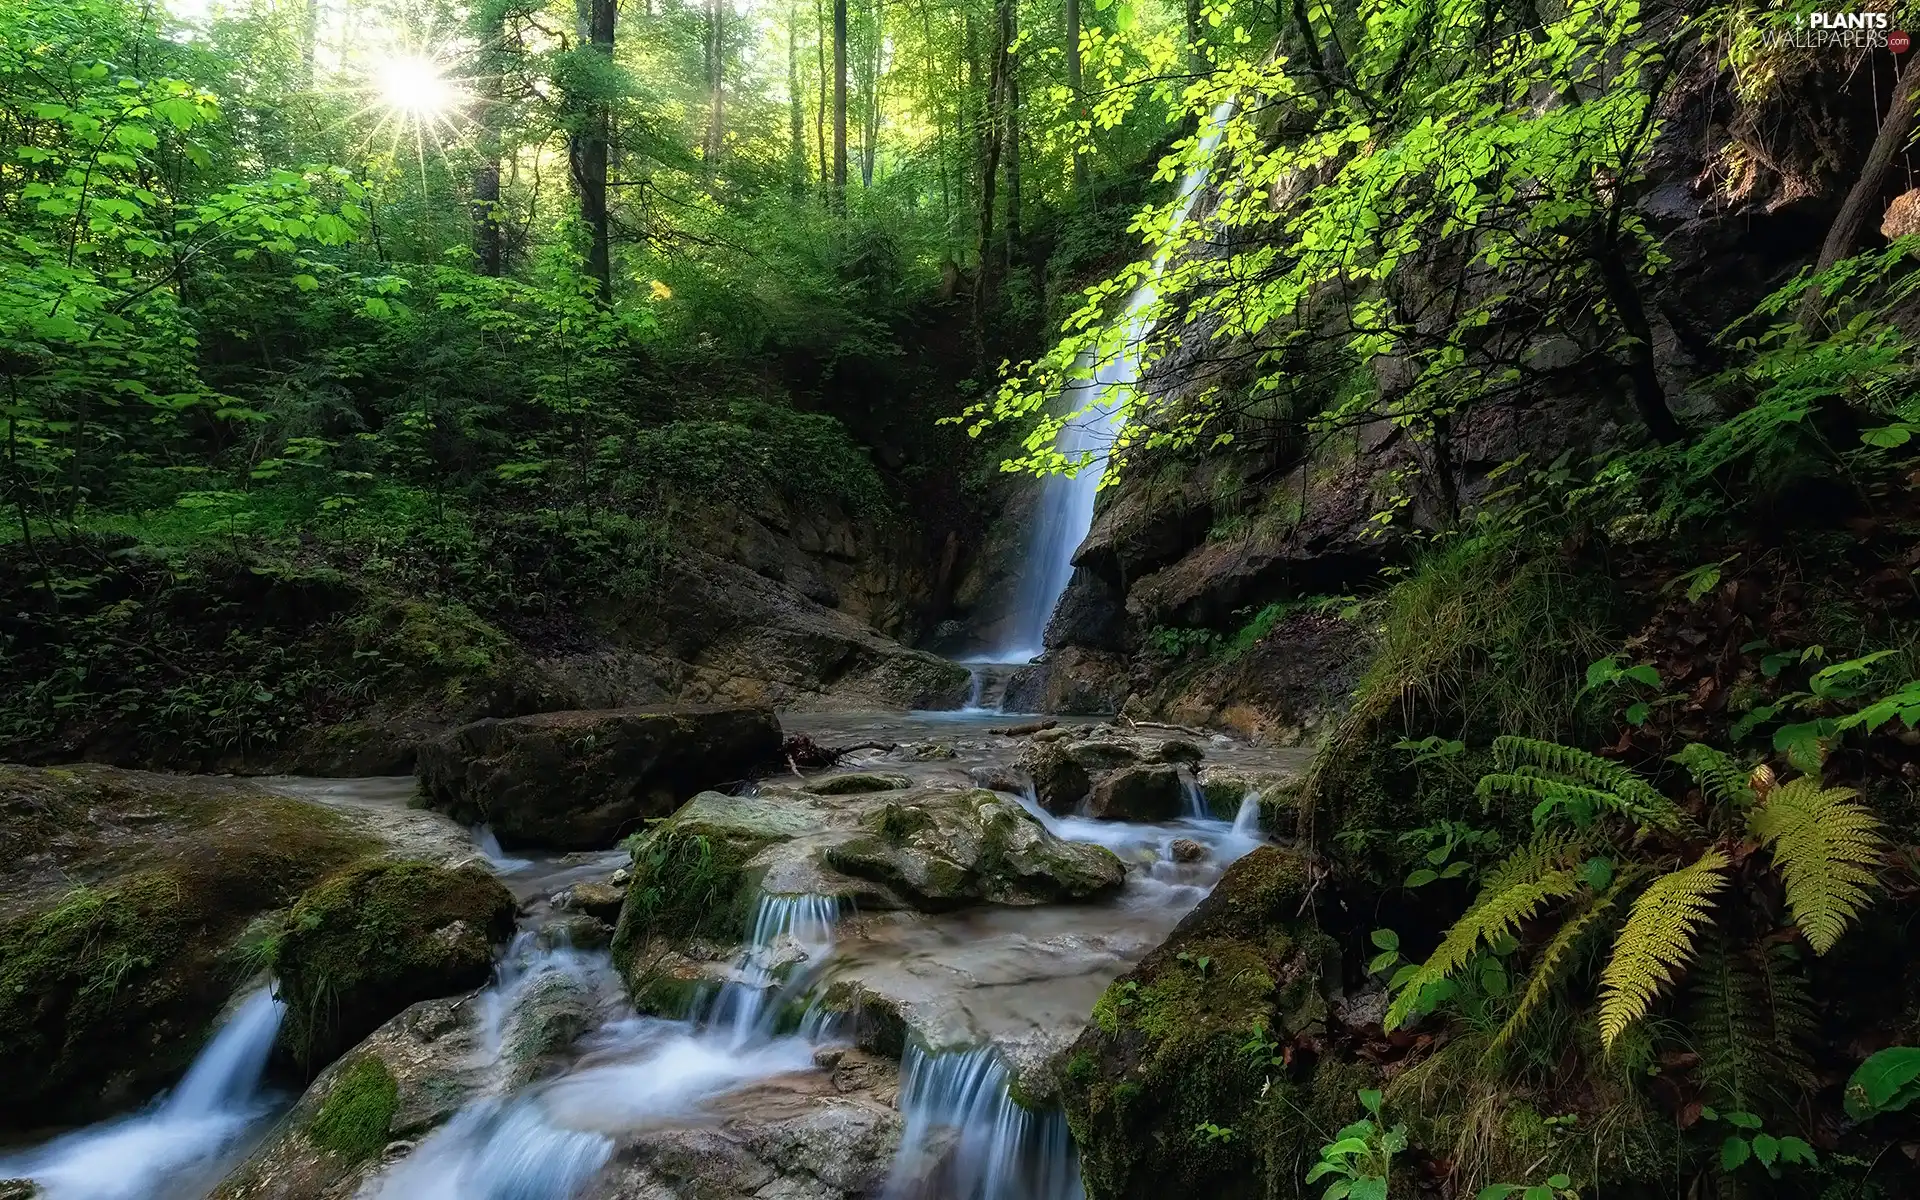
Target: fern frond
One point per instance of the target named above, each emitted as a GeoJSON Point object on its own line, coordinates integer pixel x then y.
{"type": "Point", "coordinates": [1656, 941]}
{"type": "Point", "coordinates": [1826, 846]}
{"type": "Point", "coordinates": [1537, 873]}
{"type": "Point", "coordinates": [1554, 958]}
{"type": "Point", "coordinates": [1718, 775]}
{"type": "Point", "coordinates": [1749, 1018]}
{"type": "Point", "coordinates": [1599, 781]}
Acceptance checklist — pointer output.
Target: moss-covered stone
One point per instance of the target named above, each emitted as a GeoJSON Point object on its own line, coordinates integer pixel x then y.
{"type": "Point", "coordinates": [942, 849]}
{"type": "Point", "coordinates": [357, 1110]}
{"type": "Point", "coordinates": [370, 940]}
{"type": "Point", "coordinates": [581, 780]}
{"type": "Point", "coordinates": [1166, 1048]}
{"type": "Point", "coordinates": [108, 988]}
{"type": "Point", "coordinates": [857, 782]}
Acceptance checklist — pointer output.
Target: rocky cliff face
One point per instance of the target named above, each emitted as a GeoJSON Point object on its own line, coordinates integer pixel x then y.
{"type": "Point", "coordinates": [1169, 611]}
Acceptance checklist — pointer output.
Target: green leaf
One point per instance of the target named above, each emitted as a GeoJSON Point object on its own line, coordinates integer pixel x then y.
{"type": "Point", "coordinates": [1743, 1120]}
{"type": "Point", "coordinates": [1765, 1148]}
{"type": "Point", "coordinates": [1793, 1150]}
{"type": "Point", "coordinates": [1496, 1191]}
{"type": "Point", "coordinates": [1385, 939]}
{"type": "Point", "coordinates": [1370, 1100]}
{"type": "Point", "coordinates": [1733, 1152]}
{"type": "Point", "coordinates": [305, 283]}
{"type": "Point", "coordinates": [1422, 877]}
{"type": "Point", "coordinates": [1886, 1082]}
{"type": "Point", "coordinates": [1638, 712]}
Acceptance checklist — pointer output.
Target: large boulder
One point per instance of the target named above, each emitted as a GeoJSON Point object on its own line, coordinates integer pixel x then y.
{"type": "Point", "coordinates": [945, 849]}
{"type": "Point", "coordinates": [581, 780]}
{"type": "Point", "coordinates": [1167, 1049]}
{"type": "Point", "coordinates": [124, 898]}
{"type": "Point", "coordinates": [1144, 793]}
{"type": "Point", "coordinates": [374, 938]}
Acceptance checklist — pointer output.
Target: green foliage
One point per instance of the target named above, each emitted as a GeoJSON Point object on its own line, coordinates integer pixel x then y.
{"type": "Point", "coordinates": [1887, 1082]}
{"type": "Point", "coordinates": [1557, 1187]}
{"type": "Point", "coordinates": [1826, 848]}
{"type": "Point", "coordinates": [1656, 941]}
{"type": "Point", "coordinates": [1360, 1156]}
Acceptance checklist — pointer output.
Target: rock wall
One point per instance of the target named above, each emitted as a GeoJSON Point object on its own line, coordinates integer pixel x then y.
{"type": "Point", "coordinates": [1164, 616]}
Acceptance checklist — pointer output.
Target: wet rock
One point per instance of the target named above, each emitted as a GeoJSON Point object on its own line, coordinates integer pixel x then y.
{"type": "Point", "coordinates": [1177, 750]}
{"type": "Point", "coordinates": [1247, 959]}
{"type": "Point", "coordinates": [1102, 753]}
{"type": "Point", "coordinates": [125, 899]}
{"type": "Point", "coordinates": [19, 1189]}
{"type": "Point", "coordinates": [578, 931]}
{"type": "Point", "coordinates": [998, 779]}
{"type": "Point", "coordinates": [550, 1014]}
{"type": "Point", "coordinates": [402, 1082]}
{"type": "Point", "coordinates": [944, 849]}
{"type": "Point", "coordinates": [1059, 782]}
{"type": "Point", "coordinates": [1186, 850]}
{"type": "Point", "coordinates": [367, 942]}
{"type": "Point", "coordinates": [599, 900]}
{"type": "Point", "coordinates": [579, 780]}
{"type": "Point", "coordinates": [857, 782]}
{"type": "Point", "coordinates": [932, 752]}
{"type": "Point", "coordinates": [1152, 793]}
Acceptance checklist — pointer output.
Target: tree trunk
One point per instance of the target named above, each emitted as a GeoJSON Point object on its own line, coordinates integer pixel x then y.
{"type": "Point", "coordinates": [839, 104]}
{"type": "Point", "coordinates": [587, 157]}
{"type": "Point", "coordinates": [870, 94]}
{"type": "Point", "coordinates": [1011, 88]}
{"type": "Point", "coordinates": [1076, 99]}
{"type": "Point", "coordinates": [716, 83]}
{"type": "Point", "coordinates": [486, 216]}
{"type": "Point", "coordinates": [820, 109]}
{"type": "Point", "coordinates": [991, 130]}
{"type": "Point", "coordinates": [1196, 61]}
{"type": "Point", "coordinates": [796, 108]}
{"type": "Point", "coordinates": [1649, 398]}
{"type": "Point", "coordinates": [1891, 139]}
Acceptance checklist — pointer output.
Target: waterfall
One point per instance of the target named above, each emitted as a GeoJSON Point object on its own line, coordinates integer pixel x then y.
{"type": "Point", "coordinates": [1197, 807]}
{"type": "Point", "coordinates": [748, 1006]}
{"type": "Point", "coordinates": [180, 1144]}
{"type": "Point", "coordinates": [968, 1139]}
{"type": "Point", "coordinates": [1246, 822]}
{"type": "Point", "coordinates": [1064, 512]}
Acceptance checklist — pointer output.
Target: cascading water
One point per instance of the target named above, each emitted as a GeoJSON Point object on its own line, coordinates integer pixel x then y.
{"type": "Point", "coordinates": [1246, 822]}
{"type": "Point", "coordinates": [749, 1005]}
{"type": "Point", "coordinates": [1064, 513]}
{"type": "Point", "coordinates": [967, 1139]}
{"type": "Point", "coordinates": [180, 1144]}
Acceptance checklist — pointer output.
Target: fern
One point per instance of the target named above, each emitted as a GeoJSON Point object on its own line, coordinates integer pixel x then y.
{"type": "Point", "coordinates": [1750, 1020]}
{"type": "Point", "coordinates": [1719, 776]}
{"type": "Point", "coordinates": [1656, 941]}
{"type": "Point", "coordinates": [1530, 877]}
{"type": "Point", "coordinates": [1826, 847]}
{"type": "Point", "coordinates": [1554, 958]}
{"type": "Point", "coordinates": [1549, 772]}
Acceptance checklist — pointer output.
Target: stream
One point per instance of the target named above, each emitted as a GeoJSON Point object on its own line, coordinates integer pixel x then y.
{"type": "Point", "coordinates": [987, 991]}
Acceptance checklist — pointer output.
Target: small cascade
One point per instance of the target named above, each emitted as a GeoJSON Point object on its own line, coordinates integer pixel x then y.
{"type": "Point", "coordinates": [748, 1006]}
{"type": "Point", "coordinates": [967, 1139]}
{"type": "Point", "coordinates": [1197, 807]}
{"type": "Point", "coordinates": [180, 1144]}
{"type": "Point", "coordinates": [498, 859]}
{"type": "Point", "coordinates": [1246, 822]}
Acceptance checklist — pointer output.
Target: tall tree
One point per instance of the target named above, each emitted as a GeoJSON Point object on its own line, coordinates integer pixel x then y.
{"type": "Point", "coordinates": [587, 151]}
{"type": "Point", "coordinates": [992, 129]}
{"type": "Point", "coordinates": [1012, 87]}
{"type": "Point", "coordinates": [1075, 97]}
{"type": "Point", "coordinates": [716, 49]}
{"type": "Point", "coordinates": [796, 108]}
{"type": "Point", "coordinates": [839, 103]}
{"type": "Point", "coordinates": [820, 109]}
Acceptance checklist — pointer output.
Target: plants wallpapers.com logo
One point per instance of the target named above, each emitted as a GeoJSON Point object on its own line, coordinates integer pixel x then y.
{"type": "Point", "coordinates": [1843, 30]}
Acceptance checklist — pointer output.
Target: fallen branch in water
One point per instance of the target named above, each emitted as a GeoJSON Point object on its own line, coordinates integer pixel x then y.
{"type": "Point", "coordinates": [802, 751]}
{"type": "Point", "coordinates": [1022, 730]}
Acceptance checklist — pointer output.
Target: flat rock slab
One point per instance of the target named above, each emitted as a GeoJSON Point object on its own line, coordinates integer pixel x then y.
{"type": "Point", "coordinates": [581, 780]}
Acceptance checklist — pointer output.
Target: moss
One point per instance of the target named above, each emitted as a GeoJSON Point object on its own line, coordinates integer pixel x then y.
{"type": "Point", "coordinates": [366, 942]}
{"type": "Point", "coordinates": [857, 783]}
{"type": "Point", "coordinates": [358, 1109]}
{"type": "Point", "coordinates": [659, 994]}
{"type": "Point", "coordinates": [685, 885]}
{"type": "Point", "coordinates": [122, 978]}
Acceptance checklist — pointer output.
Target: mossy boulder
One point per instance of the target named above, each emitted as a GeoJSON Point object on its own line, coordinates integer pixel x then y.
{"type": "Point", "coordinates": [944, 849]}
{"type": "Point", "coordinates": [368, 941]}
{"type": "Point", "coordinates": [1059, 782]}
{"type": "Point", "coordinates": [856, 782]}
{"type": "Point", "coordinates": [123, 900]}
{"type": "Point", "coordinates": [1154, 793]}
{"type": "Point", "coordinates": [581, 780]}
{"type": "Point", "coordinates": [690, 876]}
{"type": "Point", "coordinates": [1165, 1050]}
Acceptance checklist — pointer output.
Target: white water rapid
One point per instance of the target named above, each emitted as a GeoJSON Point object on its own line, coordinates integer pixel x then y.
{"type": "Point", "coordinates": [179, 1145]}
{"type": "Point", "coordinates": [1064, 513]}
